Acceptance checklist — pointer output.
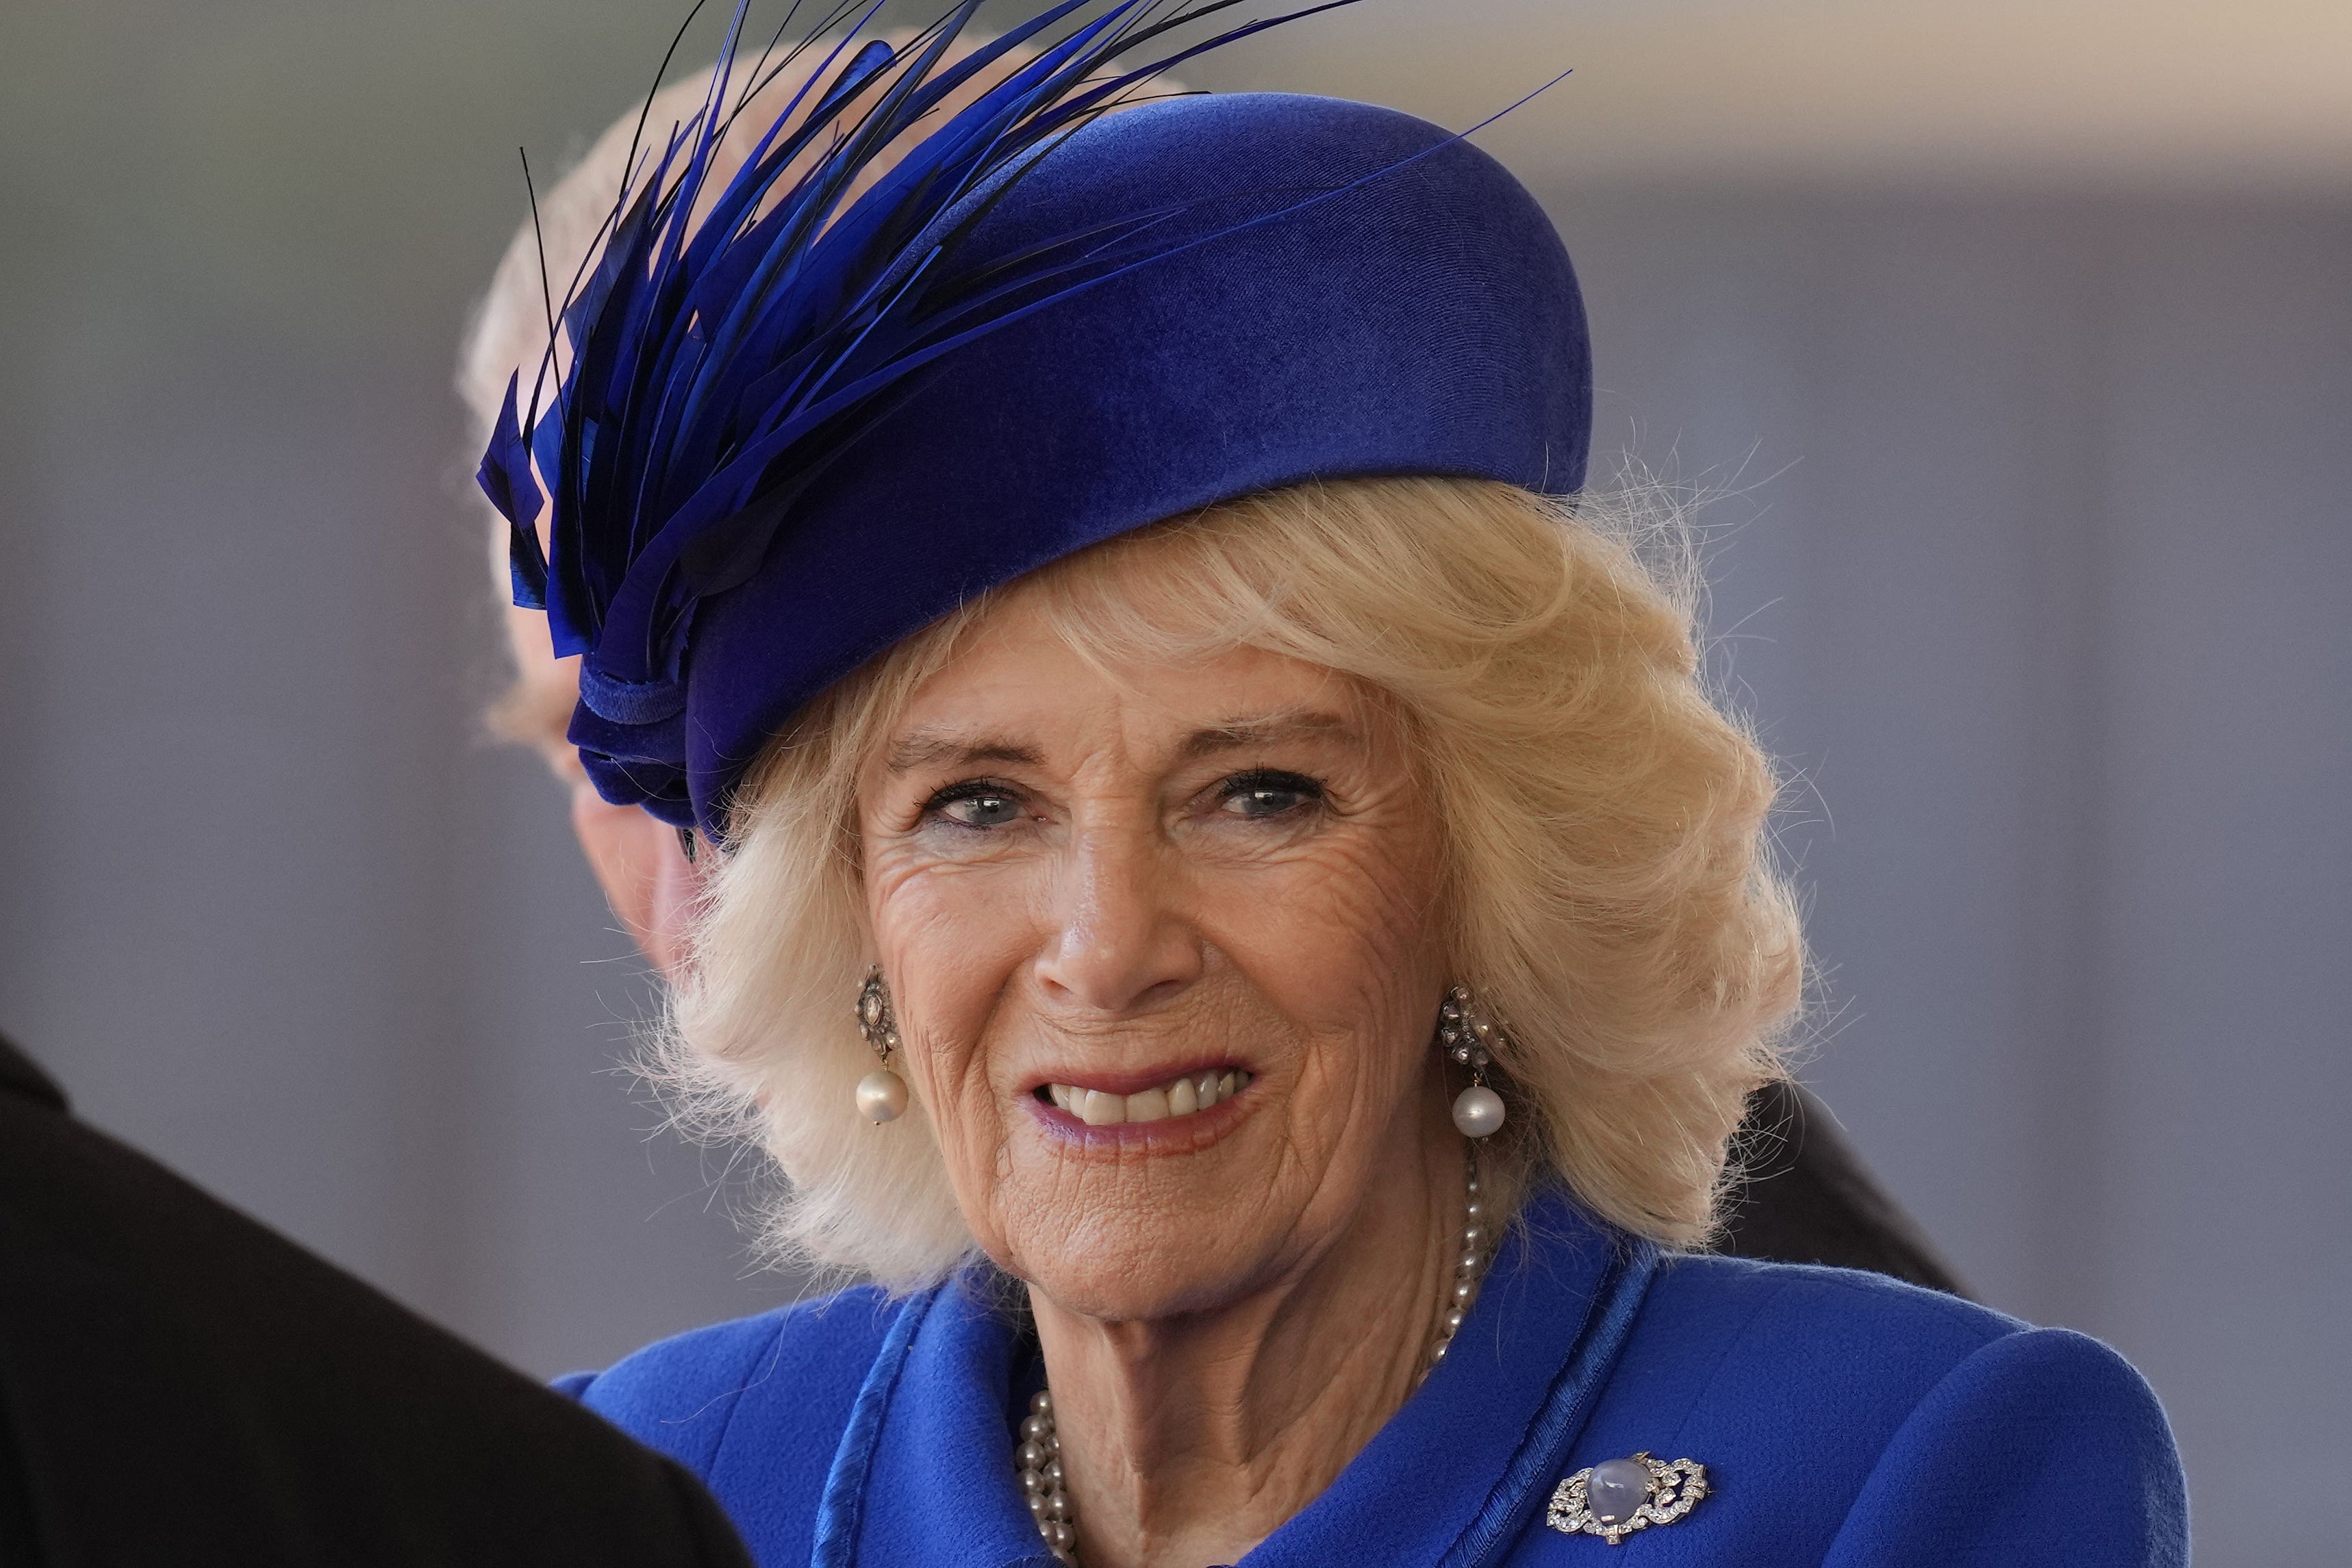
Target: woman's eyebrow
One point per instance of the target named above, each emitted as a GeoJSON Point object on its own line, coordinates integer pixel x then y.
{"type": "Point", "coordinates": [930, 748]}
{"type": "Point", "coordinates": [1241, 734]}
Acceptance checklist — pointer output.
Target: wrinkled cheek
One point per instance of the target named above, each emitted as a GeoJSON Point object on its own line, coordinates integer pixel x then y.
{"type": "Point", "coordinates": [971, 1130]}
{"type": "Point", "coordinates": [948, 966]}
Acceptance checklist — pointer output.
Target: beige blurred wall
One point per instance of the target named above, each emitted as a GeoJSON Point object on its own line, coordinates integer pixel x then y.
{"type": "Point", "coordinates": [2144, 95]}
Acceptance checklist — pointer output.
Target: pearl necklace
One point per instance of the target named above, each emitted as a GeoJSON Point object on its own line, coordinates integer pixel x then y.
{"type": "Point", "coordinates": [1038, 1459]}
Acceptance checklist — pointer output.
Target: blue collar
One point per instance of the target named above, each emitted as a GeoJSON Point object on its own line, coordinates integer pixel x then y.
{"type": "Point", "coordinates": [924, 1472]}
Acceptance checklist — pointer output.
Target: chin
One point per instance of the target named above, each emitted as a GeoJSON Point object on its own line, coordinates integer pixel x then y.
{"type": "Point", "coordinates": [1127, 1229]}
{"type": "Point", "coordinates": [1143, 1277]}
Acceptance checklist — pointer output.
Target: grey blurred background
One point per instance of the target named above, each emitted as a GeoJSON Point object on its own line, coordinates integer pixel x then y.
{"type": "Point", "coordinates": [2019, 334]}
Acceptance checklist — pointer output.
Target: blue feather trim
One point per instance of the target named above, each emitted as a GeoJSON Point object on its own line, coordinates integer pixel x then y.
{"type": "Point", "coordinates": [717, 365]}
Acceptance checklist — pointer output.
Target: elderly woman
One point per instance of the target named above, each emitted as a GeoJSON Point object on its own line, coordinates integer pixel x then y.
{"type": "Point", "coordinates": [1222, 891]}
{"type": "Point", "coordinates": [1799, 1192]}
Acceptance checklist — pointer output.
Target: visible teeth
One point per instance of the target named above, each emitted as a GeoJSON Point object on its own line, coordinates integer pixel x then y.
{"type": "Point", "coordinates": [1177, 1096]}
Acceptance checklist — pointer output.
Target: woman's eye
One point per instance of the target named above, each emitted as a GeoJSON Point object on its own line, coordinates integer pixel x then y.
{"type": "Point", "coordinates": [1260, 796]}
{"type": "Point", "coordinates": [979, 808]}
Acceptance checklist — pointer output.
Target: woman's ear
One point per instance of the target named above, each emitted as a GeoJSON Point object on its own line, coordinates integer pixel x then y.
{"type": "Point", "coordinates": [643, 867]}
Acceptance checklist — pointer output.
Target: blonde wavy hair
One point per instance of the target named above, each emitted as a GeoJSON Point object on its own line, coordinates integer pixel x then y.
{"type": "Point", "coordinates": [1608, 889]}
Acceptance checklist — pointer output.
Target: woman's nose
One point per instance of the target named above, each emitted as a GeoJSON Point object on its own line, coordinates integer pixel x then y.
{"type": "Point", "coordinates": [1117, 945]}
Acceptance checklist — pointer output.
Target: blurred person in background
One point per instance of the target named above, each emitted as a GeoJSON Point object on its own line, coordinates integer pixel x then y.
{"type": "Point", "coordinates": [1214, 878]}
{"type": "Point", "coordinates": [181, 1385]}
{"type": "Point", "coordinates": [1801, 1193]}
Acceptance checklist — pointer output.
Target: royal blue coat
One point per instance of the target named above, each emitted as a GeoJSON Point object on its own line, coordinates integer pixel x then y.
{"type": "Point", "coordinates": [1843, 1419]}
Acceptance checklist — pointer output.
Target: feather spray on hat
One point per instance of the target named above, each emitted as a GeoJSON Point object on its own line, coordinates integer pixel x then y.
{"type": "Point", "coordinates": [716, 365]}
{"type": "Point", "coordinates": [951, 324]}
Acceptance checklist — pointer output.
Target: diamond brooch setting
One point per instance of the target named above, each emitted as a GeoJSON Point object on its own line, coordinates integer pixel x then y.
{"type": "Point", "coordinates": [1614, 1498]}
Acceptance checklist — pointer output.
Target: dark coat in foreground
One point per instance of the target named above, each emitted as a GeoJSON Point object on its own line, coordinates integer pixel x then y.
{"type": "Point", "coordinates": [179, 1386]}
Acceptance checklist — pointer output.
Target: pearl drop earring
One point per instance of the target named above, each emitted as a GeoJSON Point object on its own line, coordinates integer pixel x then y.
{"type": "Point", "coordinates": [881, 1094]}
{"type": "Point", "coordinates": [1464, 1035]}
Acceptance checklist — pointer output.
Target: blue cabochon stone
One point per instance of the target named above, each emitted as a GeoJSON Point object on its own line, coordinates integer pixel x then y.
{"type": "Point", "coordinates": [1615, 1489]}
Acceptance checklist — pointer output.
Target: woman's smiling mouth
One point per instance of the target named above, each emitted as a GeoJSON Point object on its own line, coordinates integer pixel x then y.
{"type": "Point", "coordinates": [1183, 1095]}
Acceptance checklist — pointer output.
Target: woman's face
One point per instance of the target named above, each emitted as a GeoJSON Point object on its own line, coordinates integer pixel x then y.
{"type": "Point", "coordinates": [1163, 944]}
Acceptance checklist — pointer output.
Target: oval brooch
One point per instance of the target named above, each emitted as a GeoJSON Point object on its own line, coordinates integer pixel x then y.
{"type": "Point", "coordinates": [1614, 1498]}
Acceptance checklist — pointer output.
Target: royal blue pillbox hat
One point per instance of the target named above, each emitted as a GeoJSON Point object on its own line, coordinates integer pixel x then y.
{"type": "Point", "coordinates": [1209, 296]}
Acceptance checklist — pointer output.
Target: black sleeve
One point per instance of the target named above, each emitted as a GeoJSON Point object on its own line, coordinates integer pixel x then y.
{"type": "Point", "coordinates": [20, 1546]}
{"type": "Point", "coordinates": [1805, 1197]}
{"type": "Point", "coordinates": [712, 1540]}
{"type": "Point", "coordinates": [182, 1386]}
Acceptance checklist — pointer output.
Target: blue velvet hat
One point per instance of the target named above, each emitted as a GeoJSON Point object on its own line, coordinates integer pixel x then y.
{"type": "Point", "coordinates": [806, 430]}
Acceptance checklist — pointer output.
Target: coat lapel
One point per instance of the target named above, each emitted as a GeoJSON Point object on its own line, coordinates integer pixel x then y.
{"type": "Point", "coordinates": [929, 1479]}
{"type": "Point", "coordinates": [1457, 1474]}
{"type": "Point", "coordinates": [924, 1472]}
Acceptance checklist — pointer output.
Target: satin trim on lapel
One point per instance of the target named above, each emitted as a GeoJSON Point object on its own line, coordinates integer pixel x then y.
{"type": "Point", "coordinates": [925, 1474]}
{"type": "Point", "coordinates": [1536, 1468]}
{"type": "Point", "coordinates": [1456, 1474]}
{"type": "Point", "coordinates": [842, 1509]}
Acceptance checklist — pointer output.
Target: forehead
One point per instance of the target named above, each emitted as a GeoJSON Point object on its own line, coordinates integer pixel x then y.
{"type": "Point", "coordinates": [1021, 680]}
